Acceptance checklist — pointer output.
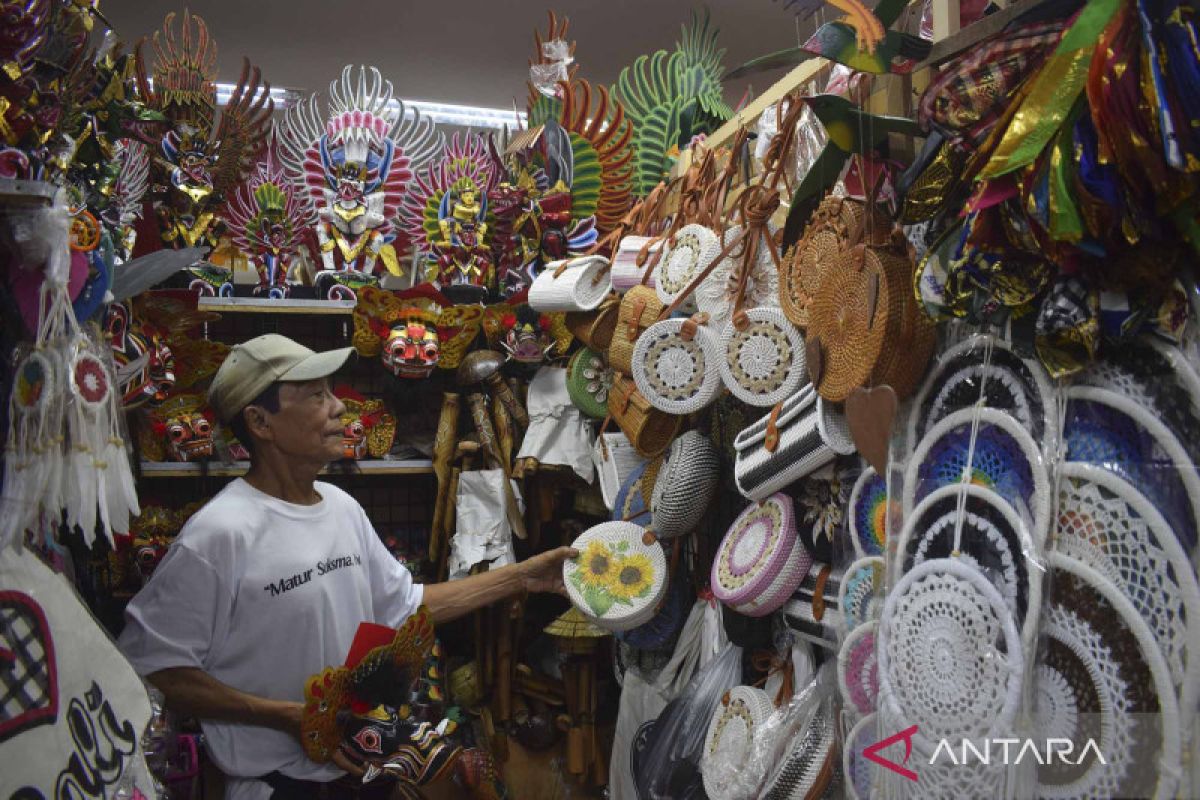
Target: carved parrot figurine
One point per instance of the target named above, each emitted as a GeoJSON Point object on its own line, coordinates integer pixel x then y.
{"type": "Point", "coordinates": [861, 40]}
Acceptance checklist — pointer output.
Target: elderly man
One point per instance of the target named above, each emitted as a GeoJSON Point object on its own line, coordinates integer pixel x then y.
{"type": "Point", "coordinates": [268, 583]}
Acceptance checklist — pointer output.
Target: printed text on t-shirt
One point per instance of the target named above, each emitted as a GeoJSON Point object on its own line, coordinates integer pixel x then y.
{"type": "Point", "coordinates": [322, 568]}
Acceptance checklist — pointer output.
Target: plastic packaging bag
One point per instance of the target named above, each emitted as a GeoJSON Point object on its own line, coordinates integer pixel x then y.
{"type": "Point", "coordinates": [669, 766]}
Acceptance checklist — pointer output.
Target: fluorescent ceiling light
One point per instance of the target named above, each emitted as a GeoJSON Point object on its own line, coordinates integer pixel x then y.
{"type": "Point", "coordinates": [443, 113]}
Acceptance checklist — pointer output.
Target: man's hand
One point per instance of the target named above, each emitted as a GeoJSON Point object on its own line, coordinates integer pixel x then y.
{"type": "Point", "coordinates": [543, 572]}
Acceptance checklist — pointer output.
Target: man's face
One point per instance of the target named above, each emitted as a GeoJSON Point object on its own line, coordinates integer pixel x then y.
{"type": "Point", "coordinates": [308, 425]}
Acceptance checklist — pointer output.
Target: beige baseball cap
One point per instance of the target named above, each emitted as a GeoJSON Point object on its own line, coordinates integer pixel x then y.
{"type": "Point", "coordinates": [252, 366]}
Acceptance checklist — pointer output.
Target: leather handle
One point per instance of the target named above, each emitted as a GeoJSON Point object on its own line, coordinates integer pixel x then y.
{"type": "Point", "coordinates": [771, 441]}
{"type": "Point", "coordinates": [819, 593]}
{"type": "Point", "coordinates": [688, 331]}
{"type": "Point", "coordinates": [634, 327]}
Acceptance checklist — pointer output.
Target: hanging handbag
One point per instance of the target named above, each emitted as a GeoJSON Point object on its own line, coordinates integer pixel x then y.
{"type": "Point", "coordinates": [649, 430]}
{"type": "Point", "coordinates": [615, 459]}
{"type": "Point", "coordinates": [574, 284]}
{"type": "Point", "coordinates": [595, 328]}
{"type": "Point", "coordinates": [799, 436]}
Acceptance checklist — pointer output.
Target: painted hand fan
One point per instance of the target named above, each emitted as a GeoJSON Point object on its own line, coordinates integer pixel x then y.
{"type": "Point", "coordinates": [1108, 525]}
{"type": "Point", "coordinates": [1110, 430]}
{"type": "Point", "coordinates": [1000, 455]}
{"type": "Point", "coordinates": [950, 655]}
{"type": "Point", "coordinates": [868, 514]}
{"type": "Point", "coordinates": [979, 527]}
{"type": "Point", "coordinates": [858, 669]}
{"type": "Point", "coordinates": [1017, 386]}
{"type": "Point", "coordinates": [1102, 678]}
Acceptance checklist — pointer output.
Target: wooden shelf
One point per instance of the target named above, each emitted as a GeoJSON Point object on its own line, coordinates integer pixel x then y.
{"type": "Point", "coordinates": [263, 305]}
{"type": "Point", "coordinates": [174, 469]}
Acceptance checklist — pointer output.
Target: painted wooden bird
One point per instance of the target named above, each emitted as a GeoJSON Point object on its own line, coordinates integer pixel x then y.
{"type": "Point", "coordinates": [850, 130]}
{"type": "Point", "coordinates": [860, 40]}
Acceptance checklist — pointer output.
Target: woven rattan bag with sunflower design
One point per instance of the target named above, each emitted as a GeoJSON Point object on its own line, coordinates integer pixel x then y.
{"type": "Point", "coordinates": [620, 576]}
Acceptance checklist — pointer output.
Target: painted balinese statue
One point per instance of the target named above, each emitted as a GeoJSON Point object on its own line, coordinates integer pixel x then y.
{"type": "Point", "coordinates": [354, 162]}
{"type": "Point", "coordinates": [201, 160]}
{"type": "Point", "coordinates": [444, 214]}
{"type": "Point", "coordinates": [267, 218]}
{"type": "Point", "coordinates": [535, 207]}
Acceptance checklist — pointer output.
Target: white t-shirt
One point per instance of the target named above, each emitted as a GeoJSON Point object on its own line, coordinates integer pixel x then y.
{"type": "Point", "coordinates": [261, 594]}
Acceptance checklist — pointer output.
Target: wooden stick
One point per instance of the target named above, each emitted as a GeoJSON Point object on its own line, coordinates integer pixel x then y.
{"type": "Point", "coordinates": [491, 449]}
{"type": "Point", "coordinates": [444, 444]}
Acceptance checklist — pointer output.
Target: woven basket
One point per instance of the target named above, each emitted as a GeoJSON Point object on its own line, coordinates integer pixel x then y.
{"type": "Point", "coordinates": [675, 365]}
{"type": "Point", "coordinates": [640, 308]}
{"type": "Point", "coordinates": [858, 308]}
{"type": "Point", "coordinates": [760, 562]}
{"type": "Point", "coordinates": [619, 577]}
{"type": "Point", "coordinates": [577, 284]}
{"type": "Point", "coordinates": [764, 361]}
{"type": "Point", "coordinates": [589, 380]}
{"type": "Point", "coordinates": [626, 273]}
{"type": "Point", "coordinates": [729, 741]}
{"type": "Point", "coordinates": [595, 328]}
{"type": "Point", "coordinates": [833, 228]}
{"type": "Point", "coordinates": [685, 256]}
{"type": "Point", "coordinates": [615, 459]}
{"type": "Point", "coordinates": [686, 481]}
{"type": "Point", "coordinates": [649, 429]}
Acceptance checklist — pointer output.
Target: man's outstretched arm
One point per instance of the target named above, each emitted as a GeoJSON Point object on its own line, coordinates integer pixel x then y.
{"type": "Point", "coordinates": [193, 692]}
{"type": "Point", "coordinates": [541, 573]}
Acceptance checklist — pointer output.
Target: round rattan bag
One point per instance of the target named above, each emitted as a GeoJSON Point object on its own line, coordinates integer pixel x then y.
{"type": "Point", "coordinates": [675, 365]}
{"type": "Point", "coordinates": [686, 482]}
{"type": "Point", "coordinates": [764, 361]}
{"type": "Point", "coordinates": [684, 257]}
{"type": "Point", "coordinates": [857, 311]}
{"type": "Point", "coordinates": [717, 294]}
{"type": "Point", "coordinates": [828, 233]}
{"type": "Point", "coordinates": [619, 577]}
{"type": "Point", "coordinates": [589, 381]}
{"type": "Point", "coordinates": [760, 562]}
{"type": "Point", "coordinates": [730, 738]}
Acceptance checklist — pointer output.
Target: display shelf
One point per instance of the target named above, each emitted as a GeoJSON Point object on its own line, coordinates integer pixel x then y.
{"type": "Point", "coordinates": [263, 305]}
{"type": "Point", "coordinates": [173, 469]}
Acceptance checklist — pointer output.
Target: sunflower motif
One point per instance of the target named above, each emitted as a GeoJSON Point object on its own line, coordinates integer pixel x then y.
{"type": "Point", "coordinates": [599, 379]}
{"type": "Point", "coordinates": [598, 565]}
{"type": "Point", "coordinates": [633, 577]}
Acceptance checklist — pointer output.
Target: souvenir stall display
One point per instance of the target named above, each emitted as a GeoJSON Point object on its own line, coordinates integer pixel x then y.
{"type": "Point", "coordinates": [873, 419]}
